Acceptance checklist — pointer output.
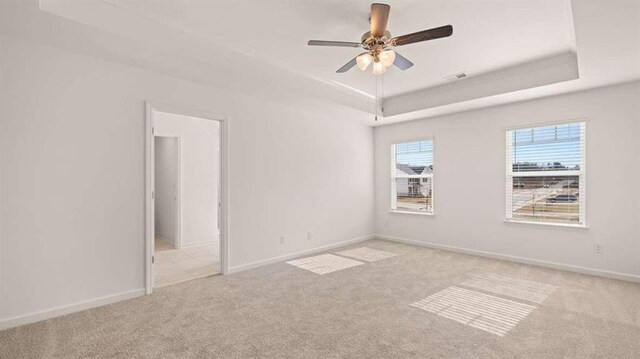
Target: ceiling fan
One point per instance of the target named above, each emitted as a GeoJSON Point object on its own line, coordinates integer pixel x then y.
{"type": "Point", "coordinates": [378, 43]}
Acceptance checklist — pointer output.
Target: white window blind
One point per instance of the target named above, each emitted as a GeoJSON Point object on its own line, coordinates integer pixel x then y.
{"type": "Point", "coordinates": [412, 176]}
{"type": "Point", "coordinates": [546, 174]}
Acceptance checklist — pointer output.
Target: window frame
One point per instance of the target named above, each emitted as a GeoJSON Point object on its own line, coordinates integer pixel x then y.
{"type": "Point", "coordinates": [393, 208]}
{"type": "Point", "coordinates": [581, 174]}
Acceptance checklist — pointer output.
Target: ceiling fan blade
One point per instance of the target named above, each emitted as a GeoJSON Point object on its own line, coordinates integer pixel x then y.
{"type": "Point", "coordinates": [431, 34]}
{"type": "Point", "coordinates": [401, 62]}
{"type": "Point", "coordinates": [379, 19]}
{"type": "Point", "coordinates": [348, 65]}
{"type": "Point", "coordinates": [333, 43]}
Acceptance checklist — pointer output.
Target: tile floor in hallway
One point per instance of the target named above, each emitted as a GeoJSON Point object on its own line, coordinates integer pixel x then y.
{"type": "Point", "coordinates": [178, 265]}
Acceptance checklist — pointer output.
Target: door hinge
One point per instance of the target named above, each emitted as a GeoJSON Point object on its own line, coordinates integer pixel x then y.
{"type": "Point", "coordinates": [153, 194]}
{"type": "Point", "coordinates": [153, 130]}
{"type": "Point", "coordinates": [153, 259]}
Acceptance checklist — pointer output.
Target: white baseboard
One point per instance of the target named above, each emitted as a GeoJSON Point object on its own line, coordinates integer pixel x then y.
{"type": "Point", "coordinates": [68, 309]}
{"type": "Point", "coordinates": [196, 244]}
{"type": "Point", "coordinates": [523, 260]}
{"type": "Point", "coordinates": [98, 302]}
{"type": "Point", "coordinates": [164, 238]}
{"type": "Point", "coordinates": [263, 262]}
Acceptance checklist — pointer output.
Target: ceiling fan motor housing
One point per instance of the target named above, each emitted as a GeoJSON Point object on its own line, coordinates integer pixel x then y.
{"type": "Point", "coordinates": [369, 42]}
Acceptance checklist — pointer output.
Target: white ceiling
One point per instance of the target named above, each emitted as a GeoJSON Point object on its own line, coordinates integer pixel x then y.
{"type": "Point", "coordinates": [259, 47]}
{"type": "Point", "coordinates": [488, 34]}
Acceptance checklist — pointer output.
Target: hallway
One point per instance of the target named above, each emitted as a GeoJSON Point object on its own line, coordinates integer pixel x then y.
{"type": "Point", "coordinates": [178, 265]}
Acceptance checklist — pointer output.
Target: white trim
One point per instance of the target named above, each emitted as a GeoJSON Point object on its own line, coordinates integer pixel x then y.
{"type": "Point", "coordinates": [581, 173]}
{"type": "Point", "coordinates": [431, 214]}
{"type": "Point", "coordinates": [223, 214]}
{"type": "Point", "coordinates": [508, 193]}
{"type": "Point", "coordinates": [149, 208]}
{"type": "Point", "coordinates": [196, 244]}
{"type": "Point", "coordinates": [583, 176]}
{"type": "Point", "coordinates": [393, 206]}
{"type": "Point", "coordinates": [178, 200]}
{"type": "Point", "coordinates": [264, 262]}
{"type": "Point", "coordinates": [523, 260]}
{"type": "Point", "coordinates": [393, 182]}
{"type": "Point", "coordinates": [546, 123]}
{"type": "Point", "coordinates": [547, 224]}
{"type": "Point", "coordinates": [224, 190]}
{"type": "Point", "coordinates": [429, 175]}
{"type": "Point", "coordinates": [69, 308]}
{"type": "Point", "coordinates": [161, 237]}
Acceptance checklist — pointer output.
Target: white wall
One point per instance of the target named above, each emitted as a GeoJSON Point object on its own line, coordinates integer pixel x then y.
{"type": "Point", "coordinates": [166, 187]}
{"type": "Point", "coordinates": [200, 162]}
{"type": "Point", "coordinates": [72, 144]}
{"type": "Point", "coordinates": [469, 181]}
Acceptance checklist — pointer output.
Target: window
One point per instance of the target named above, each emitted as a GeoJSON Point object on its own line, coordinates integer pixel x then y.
{"type": "Point", "coordinates": [546, 174]}
{"type": "Point", "coordinates": [412, 177]}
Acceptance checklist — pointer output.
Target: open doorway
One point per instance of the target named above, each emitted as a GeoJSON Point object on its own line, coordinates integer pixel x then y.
{"type": "Point", "coordinates": [166, 195]}
{"type": "Point", "coordinates": [184, 170]}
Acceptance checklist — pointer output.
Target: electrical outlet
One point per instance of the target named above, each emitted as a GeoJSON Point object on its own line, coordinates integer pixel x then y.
{"type": "Point", "coordinates": [309, 235]}
{"type": "Point", "coordinates": [597, 248]}
{"type": "Point", "coordinates": [281, 239]}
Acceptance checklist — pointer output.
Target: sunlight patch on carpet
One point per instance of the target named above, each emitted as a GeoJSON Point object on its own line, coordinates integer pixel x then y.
{"type": "Point", "coordinates": [366, 254]}
{"type": "Point", "coordinates": [324, 263]}
{"type": "Point", "coordinates": [482, 311]}
{"type": "Point", "coordinates": [511, 286]}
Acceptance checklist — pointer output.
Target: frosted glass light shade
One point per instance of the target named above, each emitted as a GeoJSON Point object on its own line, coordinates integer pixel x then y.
{"type": "Point", "coordinates": [363, 61]}
{"type": "Point", "coordinates": [387, 57]}
{"type": "Point", "coordinates": [379, 68]}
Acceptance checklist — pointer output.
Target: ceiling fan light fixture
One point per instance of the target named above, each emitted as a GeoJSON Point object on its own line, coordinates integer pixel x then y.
{"type": "Point", "coordinates": [363, 61]}
{"type": "Point", "coordinates": [378, 43]}
{"type": "Point", "coordinates": [387, 57]}
{"type": "Point", "coordinates": [378, 68]}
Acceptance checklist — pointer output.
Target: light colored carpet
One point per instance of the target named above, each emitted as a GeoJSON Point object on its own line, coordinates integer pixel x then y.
{"type": "Point", "coordinates": [281, 311]}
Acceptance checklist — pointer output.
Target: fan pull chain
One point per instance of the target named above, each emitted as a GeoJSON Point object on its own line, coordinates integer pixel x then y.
{"type": "Point", "coordinates": [379, 97]}
{"type": "Point", "coordinates": [376, 101]}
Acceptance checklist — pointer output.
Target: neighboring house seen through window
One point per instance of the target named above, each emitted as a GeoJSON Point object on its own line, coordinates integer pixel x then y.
{"type": "Point", "coordinates": [412, 177]}
{"type": "Point", "coordinates": [545, 174]}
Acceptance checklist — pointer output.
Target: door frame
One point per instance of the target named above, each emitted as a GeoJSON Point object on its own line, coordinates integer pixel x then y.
{"type": "Point", "coordinates": [178, 190]}
{"type": "Point", "coordinates": [150, 108]}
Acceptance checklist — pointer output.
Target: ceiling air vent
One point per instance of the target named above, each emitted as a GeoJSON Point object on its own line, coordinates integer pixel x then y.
{"type": "Point", "coordinates": [454, 77]}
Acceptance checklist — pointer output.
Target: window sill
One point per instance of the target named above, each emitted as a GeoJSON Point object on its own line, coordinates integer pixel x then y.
{"type": "Point", "coordinates": [409, 212]}
{"type": "Point", "coordinates": [546, 224]}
